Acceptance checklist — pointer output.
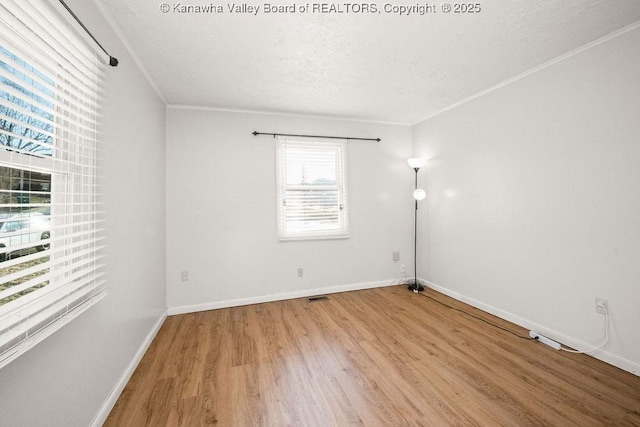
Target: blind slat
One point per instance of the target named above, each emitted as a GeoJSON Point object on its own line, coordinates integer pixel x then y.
{"type": "Point", "coordinates": [66, 92]}
{"type": "Point", "coordinates": [55, 290]}
{"type": "Point", "coordinates": [45, 36]}
{"type": "Point", "coordinates": [47, 325]}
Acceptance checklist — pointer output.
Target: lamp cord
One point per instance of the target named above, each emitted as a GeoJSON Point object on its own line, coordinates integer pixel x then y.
{"type": "Point", "coordinates": [606, 338]}
{"type": "Point", "coordinates": [606, 327]}
{"type": "Point", "coordinates": [476, 317]}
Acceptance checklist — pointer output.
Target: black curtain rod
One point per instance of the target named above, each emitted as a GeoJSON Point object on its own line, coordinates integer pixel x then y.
{"type": "Point", "coordinates": [112, 61]}
{"type": "Point", "coordinates": [256, 133]}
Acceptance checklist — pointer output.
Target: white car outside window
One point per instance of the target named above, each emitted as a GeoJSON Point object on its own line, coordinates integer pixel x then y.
{"type": "Point", "coordinates": [22, 229]}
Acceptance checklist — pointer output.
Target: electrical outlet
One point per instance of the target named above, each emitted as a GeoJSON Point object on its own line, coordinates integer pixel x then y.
{"type": "Point", "coordinates": [601, 306]}
{"type": "Point", "coordinates": [396, 255]}
{"type": "Point", "coordinates": [402, 270]}
{"type": "Point", "coordinates": [300, 272]}
{"type": "Point", "coordinates": [185, 276]}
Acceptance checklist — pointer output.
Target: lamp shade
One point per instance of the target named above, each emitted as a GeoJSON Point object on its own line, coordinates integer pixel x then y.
{"type": "Point", "coordinates": [417, 162]}
{"type": "Point", "coordinates": [419, 194]}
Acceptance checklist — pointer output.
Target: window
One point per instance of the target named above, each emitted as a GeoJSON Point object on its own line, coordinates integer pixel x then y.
{"type": "Point", "coordinates": [50, 236]}
{"type": "Point", "coordinates": [312, 197]}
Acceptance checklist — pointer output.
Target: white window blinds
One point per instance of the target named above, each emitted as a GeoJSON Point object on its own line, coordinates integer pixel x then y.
{"type": "Point", "coordinates": [312, 196]}
{"type": "Point", "coordinates": [50, 214]}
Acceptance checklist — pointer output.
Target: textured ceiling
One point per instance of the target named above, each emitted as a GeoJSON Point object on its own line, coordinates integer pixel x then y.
{"type": "Point", "coordinates": [381, 66]}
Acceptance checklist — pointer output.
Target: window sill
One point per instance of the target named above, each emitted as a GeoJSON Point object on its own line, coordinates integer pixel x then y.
{"type": "Point", "coordinates": [312, 237]}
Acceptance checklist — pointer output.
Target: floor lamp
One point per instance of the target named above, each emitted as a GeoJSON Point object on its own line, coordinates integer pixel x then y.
{"type": "Point", "coordinates": [418, 194]}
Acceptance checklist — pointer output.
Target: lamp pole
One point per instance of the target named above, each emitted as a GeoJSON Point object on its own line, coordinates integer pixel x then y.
{"type": "Point", "coordinates": [417, 195]}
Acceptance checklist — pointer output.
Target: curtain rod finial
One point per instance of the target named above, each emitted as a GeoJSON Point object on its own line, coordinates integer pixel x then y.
{"type": "Point", "coordinates": [254, 133]}
{"type": "Point", "coordinates": [113, 61]}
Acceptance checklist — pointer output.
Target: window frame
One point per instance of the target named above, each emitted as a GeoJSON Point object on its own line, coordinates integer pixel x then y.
{"type": "Point", "coordinates": [284, 227]}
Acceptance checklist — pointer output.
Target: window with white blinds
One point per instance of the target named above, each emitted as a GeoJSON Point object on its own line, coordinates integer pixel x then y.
{"type": "Point", "coordinates": [50, 213]}
{"type": "Point", "coordinates": [312, 196]}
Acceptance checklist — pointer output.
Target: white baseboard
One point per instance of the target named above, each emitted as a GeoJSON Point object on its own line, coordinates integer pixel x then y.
{"type": "Point", "coordinates": [279, 297]}
{"type": "Point", "coordinates": [605, 356]}
{"type": "Point", "coordinates": [108, 405]}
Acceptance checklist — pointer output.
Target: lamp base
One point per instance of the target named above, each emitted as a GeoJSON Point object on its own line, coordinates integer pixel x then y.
{"type": "Point", "coordinates": [415, 287]}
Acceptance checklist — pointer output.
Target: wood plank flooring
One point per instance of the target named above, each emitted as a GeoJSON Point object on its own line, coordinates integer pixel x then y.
{"type": "Point", "coordinates": [378, 357]}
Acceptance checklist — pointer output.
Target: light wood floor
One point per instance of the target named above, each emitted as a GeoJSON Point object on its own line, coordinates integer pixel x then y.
{"type": "Point", "coordinates": [377, 357]}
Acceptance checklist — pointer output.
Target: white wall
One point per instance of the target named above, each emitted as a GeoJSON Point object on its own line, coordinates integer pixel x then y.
{"type": "Point", "coordinates": [534, 199]}
{"type": "Point", "coordinates": [221, 210]}
{"type": "Point", "coordinates": [65, 380]}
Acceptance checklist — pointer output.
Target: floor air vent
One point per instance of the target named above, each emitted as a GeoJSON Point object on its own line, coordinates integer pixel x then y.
{"type": "Point", "coordinates": [317, 298]}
